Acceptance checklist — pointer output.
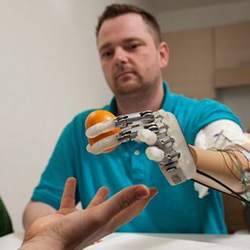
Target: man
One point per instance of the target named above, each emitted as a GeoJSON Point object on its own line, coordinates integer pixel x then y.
{"type": "Point", "coordinates": [69, 228]}
{"type": "Point", "coordinates": [132, 56]}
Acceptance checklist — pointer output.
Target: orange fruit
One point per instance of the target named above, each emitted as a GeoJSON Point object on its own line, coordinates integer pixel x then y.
{"type": "Point", "coordinates": [100, 116]}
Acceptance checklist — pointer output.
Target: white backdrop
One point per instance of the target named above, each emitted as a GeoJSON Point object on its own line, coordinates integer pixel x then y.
{"type": "Point", "coordinates": [49, 71]}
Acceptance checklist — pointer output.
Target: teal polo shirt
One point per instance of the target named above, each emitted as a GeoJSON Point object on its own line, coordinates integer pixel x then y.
{"type": "Point", "coordinates": [176, 209]}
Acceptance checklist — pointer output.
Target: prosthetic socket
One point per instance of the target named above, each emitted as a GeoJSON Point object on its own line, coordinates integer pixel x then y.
{"type": "Point", "coordinates": [160, 130]}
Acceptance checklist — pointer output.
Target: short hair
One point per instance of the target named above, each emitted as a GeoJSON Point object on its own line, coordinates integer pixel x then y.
{"type": "Point", "coordinates": [115, 10]}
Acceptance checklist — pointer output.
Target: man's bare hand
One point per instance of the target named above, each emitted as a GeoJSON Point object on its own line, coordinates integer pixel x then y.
{"type": "Point", "coordinates": [70, 228]}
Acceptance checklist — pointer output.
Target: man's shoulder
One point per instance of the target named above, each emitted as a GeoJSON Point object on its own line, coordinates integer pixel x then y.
{"type": "Point", "coordinates": [194, 101]}
{"type": "Point", "coordinates": [179, 101]}
{"type": "Point", "coordinates": [205, 108]}
{"type": "Point", "coordinates": [212, 105]}
{"type": "Point", "coordinates": [194, 114]}
{"type": "Point", "coordinates": [174, 101]}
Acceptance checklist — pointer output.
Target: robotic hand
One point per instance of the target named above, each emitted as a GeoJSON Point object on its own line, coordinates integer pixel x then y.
{"type": "Point", "coordinates": [159, 130]}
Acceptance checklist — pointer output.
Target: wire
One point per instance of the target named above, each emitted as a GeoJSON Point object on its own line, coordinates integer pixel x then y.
{"type": "Point", "coordinates": [231, 195]}
{"type": "Point", "coordinates": [230, 168]}
{"type": "Point", "coordinates": [235, 164]}
{"type": "Point", "coordinates": [235, 194]}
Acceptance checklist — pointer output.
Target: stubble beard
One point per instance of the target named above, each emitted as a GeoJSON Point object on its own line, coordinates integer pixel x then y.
{"type": "Point", "coordinates": [127, 87]}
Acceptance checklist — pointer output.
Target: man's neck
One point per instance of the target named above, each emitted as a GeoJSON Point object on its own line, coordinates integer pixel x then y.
{"type": "Point", "coordinates": [147, 100]}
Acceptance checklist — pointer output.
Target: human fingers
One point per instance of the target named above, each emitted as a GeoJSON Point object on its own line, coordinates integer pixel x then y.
{"type": "Point", "coordinates": [122, 200]}
{"type": "Point", "coordinates": [86, 226]}
{"type": "Point", "coordinates": [130, 211]}
{"type": "Point", "coordinates": [128, 204]}
{"type": "Point", "coordinates": [68, 197]}
{"type": "Point", "coordinates": [99, 197]}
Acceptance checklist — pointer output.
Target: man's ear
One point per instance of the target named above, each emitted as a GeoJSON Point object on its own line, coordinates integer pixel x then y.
{"type": "Point", "coordinates": [164, 54]}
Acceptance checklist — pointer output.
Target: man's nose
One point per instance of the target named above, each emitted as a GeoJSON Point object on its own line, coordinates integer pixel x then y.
{"type": "Point", "coordinates": [120, 56]}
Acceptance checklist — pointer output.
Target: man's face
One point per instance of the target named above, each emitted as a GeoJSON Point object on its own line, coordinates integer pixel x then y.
{"type": "Point", "coordinates": [130, 57]}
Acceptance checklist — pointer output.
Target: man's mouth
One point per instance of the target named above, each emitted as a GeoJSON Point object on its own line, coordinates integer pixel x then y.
{"type": "Point", "coordinates": [123, 74]}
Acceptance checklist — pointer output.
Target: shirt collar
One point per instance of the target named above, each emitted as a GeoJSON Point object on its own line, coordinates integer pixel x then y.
{"type": "Point", "coordinates": [166, 102]}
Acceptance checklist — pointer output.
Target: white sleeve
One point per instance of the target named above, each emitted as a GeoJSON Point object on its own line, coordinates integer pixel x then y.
{"type": "Point", "coordinates": [218, 134]}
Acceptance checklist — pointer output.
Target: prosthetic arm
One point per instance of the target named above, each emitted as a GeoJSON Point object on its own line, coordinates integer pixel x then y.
{"type": "Point", "coordinates": [177, 160]}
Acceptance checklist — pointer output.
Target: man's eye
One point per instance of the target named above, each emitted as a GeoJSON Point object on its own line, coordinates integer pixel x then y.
{"type": "Point", "coordinates": [106, 54]}
{"type": "Point", "coordinates": [132, 46]}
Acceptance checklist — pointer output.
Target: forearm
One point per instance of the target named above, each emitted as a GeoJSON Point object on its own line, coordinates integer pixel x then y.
{"type": "Point", "coordinates": [35, 210]}
{"type": "Point", "coordinates": [221, 166]}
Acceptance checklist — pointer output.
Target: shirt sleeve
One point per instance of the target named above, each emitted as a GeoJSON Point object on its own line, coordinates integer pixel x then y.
{"type": "Point", "coordinates": [61, 165]}
{"type": "Point", "coordinates": [220, 134]}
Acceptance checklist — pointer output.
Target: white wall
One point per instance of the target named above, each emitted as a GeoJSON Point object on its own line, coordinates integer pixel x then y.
{"type": "Point", "coordinates": [49, 71]}
{"type": "Point", "coordinates": [202, 17]}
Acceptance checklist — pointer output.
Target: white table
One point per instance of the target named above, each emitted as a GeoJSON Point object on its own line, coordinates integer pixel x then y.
{"type": "Point", "coordinates": [122, 241]}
